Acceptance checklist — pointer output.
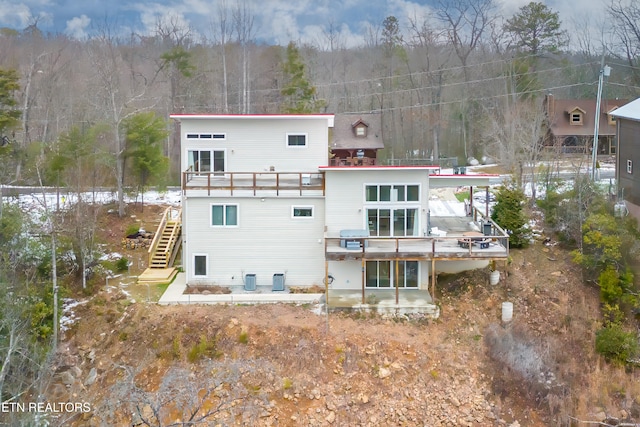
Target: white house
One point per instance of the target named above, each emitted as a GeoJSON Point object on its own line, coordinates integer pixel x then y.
{"type": "Point", "coordinates": [262, 206]}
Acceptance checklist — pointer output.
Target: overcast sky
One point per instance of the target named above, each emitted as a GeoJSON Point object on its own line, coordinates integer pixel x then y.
{"type": "Point", "coordinates": [276, 21]}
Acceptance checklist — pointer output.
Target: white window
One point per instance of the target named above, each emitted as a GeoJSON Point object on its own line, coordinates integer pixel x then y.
{"type": "Point", "coordinates": [302, 211]}
{"type": "Point", "coordinates": [205, 136]}
{"type": "Point", "coordinates": [629, 166]}
{"type": "Point", "coordinates": [361, 131]}
{"type": "Point", "coordinates": [206, 160]}
{"type": "Point", "coordinates": [200, 262]}
{"type": "Point", "coordinates": [381, 274]}
{"type": "Point", "coordinates": [392, 193]}
{"type": "Point", "coordinates": [224, 215]}
{"type": "Point", "coordinates": [576, 118]}
{"type": "Point", "coordinates": [296, 140]}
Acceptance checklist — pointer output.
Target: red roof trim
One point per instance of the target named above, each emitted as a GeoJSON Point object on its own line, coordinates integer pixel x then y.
{"type": "Point", "coordinates": [249, 115]}
{"type": "Point", "coordinates": [475, 175]}
{"type": "Point", "coordinates": [377, 167]}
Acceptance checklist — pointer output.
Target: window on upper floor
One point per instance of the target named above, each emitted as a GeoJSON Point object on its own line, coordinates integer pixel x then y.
{"type": "Point", "coordinates": [576, 117]}
{"type": "Point", "coordinates": [612, 120]}
{"type": "Point", "coordinates": [296, 140]}
{"type": "Point", "coordinates": [399, 222]}
{"type": "Point", "coordinates": [207, 136]}
{"type": "Point", "coordinates": [392, 193]}
{"type": "Point", "coordinates": [361, 130]}
{"type": "Point", "coordinates": [224, 215]}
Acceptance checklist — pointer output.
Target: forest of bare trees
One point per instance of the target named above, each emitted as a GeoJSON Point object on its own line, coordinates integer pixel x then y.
{"type": "Point", "coordinates": [441, 83]}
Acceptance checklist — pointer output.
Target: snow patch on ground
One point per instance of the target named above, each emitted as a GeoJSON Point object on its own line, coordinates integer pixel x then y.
{"type": "Point", "coordinates": [68, 315]}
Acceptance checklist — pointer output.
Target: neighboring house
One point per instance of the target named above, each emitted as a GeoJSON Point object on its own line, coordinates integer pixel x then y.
{"type": "Point", "coordinates": [356, 139]}
{"type": "Point", "coordinates": [261, 202]}
{"type": "Point", "coordinates": [571, 125]}
{"type": "Point", "coordinates": [628, 159]}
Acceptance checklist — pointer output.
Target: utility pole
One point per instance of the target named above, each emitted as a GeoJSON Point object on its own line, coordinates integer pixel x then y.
{"type": "Point", "coordinates": [605, 71]}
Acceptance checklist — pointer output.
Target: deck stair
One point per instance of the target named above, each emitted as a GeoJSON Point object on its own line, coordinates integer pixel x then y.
{"type": "Point", "coordinates": [164, 248]}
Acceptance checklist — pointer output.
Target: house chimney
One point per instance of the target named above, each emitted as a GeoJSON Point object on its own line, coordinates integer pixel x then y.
{"type": "Point", "coordinates": [551, 106]}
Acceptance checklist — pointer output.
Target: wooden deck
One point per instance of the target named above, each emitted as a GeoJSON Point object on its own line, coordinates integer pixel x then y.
{"type": "Point", "coordinates": [253, 183]}
{"type": "Point", "coordinates": [418, 248]}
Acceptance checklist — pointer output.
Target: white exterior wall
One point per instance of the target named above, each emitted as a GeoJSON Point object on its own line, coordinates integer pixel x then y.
{"type": "Point", "coordinates": [345, 196]}
{"type": "Point", "coordinates": [255, 144]}
{"type": "Point", "coordinates": [346, 209]}
{"type": "Point", "coordinates": [266, 241]}
{"type": "Point", "coordinates": [348, 275]}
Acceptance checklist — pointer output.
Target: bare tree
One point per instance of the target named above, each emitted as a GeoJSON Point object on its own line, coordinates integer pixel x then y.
{"type": "Point", "coordinates": [212, 391]}
{"type": "Point", "coordinates": [465, 23]}
{"type": "Point", "coordinates": [175, 63]}
{"type": "Point", "coordinates": [244, 20]}
{"type": "Point", "coordinates": [514, 135]}
{"type": "Point", "coordinates": [625, 15]}
{"type": "Point", "coordinates": [115, 99]}
{"type": "Point", "coordinates": [222, 30]}
{"type": "Point", "coordinates": [425, 39]}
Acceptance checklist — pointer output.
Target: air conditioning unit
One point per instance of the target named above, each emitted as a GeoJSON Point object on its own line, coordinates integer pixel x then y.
{"type": "Point", "coordinates": [278, 282]}
{"type": "Point", "coordinates": [250, 282]}
{"type": "Point", "coordinates": [306, 179]}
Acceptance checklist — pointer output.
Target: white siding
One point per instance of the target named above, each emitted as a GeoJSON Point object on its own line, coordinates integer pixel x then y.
{"type": "Point", "coordinates": [257, 144]}
{"type": "Point", "coordinates": [267, 241]}
{"type": "Point", "coordinates": [345, 195]}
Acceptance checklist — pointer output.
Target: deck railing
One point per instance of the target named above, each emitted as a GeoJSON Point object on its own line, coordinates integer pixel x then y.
{"type": "Point", "coordinates": [447, 247]}
{"type": "Point", "coordinates": [253, 181]}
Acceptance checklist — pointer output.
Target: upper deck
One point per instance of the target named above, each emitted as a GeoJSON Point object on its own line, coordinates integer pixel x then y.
{"type": "Point", "coordinates": [253, 184]}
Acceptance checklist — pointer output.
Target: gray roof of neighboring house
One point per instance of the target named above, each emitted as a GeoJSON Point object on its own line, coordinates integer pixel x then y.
{"type": "Point", "coordinates": [344, 136]}
{"type": "Point", "coordinates": [629, 111]}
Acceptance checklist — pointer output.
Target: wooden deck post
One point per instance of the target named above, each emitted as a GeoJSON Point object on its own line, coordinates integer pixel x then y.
{"type": "Point", "coordinates": [326, 291]}
{"type": "Point", "coordinates": [433, 279]}
{"type": "Point", "coordinates": [397, 284]}
{"type": "Point", "coordinates": [363, 280]}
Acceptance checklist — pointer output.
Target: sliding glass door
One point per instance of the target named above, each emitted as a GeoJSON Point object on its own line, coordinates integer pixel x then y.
{"type": "Point", "coordinates": [382, 274]}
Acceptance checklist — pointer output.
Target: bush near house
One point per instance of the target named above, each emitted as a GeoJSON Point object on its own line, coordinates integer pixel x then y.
{"type": "Point", "coordinates": [509, 214]}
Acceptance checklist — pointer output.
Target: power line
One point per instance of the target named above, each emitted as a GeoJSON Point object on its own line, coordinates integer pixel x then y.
{"type": "Point", "coordinates": [477, 82]}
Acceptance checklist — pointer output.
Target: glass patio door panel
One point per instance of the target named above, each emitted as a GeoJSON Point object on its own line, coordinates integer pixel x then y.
{"type": "Point", "coordinates": [378, 274]}
{"type": "Point", "coordinates": [412, 222]}
{"type": "Point", "coordinates": [200, 161]}
{"type": "Point", "coordinates": [372, 220]}
{"type": "Point", "coordinates": [384, 274]}
{"type": "Point", "coordinates": [384, 222]}
{"type": "Point", "coordinates": [371, 274]}
{"type": "Point", "coordinates": [218, 162]}
{"type": "Point", "coordinates": [399, 222]}
{"type": "Point", "coordinates": [408, 274]}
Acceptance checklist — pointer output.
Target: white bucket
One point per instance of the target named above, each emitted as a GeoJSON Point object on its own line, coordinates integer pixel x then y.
{"type": "Point", "coordinates": [494, 277]}
{"type": "Point", "coordinates": [507, 311]}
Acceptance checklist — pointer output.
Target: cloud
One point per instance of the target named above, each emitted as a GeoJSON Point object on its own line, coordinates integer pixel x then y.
{"type": "Point", "coordinates": [76, 27]}
{"type": "Point", "coordinates": [10, 13]}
